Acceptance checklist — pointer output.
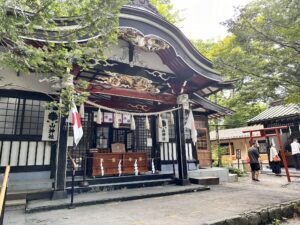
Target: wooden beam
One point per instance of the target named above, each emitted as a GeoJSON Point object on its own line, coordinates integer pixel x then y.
{"type": "Point", "coordinates": [3, 189]}
{"type": "Point", "coordinates": [123, 105]}
{"type": "Point", "coordinates": [162, 98]}
{"type": "Point", "coordinates": [127, 106]}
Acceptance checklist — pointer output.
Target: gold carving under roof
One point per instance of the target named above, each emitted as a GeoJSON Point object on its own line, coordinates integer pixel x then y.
{"type": "Point", "coordinates": [145, 42]}
{"type": "Point", "coordinates": [130, 82]}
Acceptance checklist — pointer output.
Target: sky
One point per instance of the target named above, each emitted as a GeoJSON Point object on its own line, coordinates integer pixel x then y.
{"type": "Point", "coordinates": [203, 17]}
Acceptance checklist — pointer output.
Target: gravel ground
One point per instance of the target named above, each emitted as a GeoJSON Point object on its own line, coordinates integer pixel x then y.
{"type": "Point", "coordinates": [295, 221]}
{"type": "Point", "coordinates": [222, 201]}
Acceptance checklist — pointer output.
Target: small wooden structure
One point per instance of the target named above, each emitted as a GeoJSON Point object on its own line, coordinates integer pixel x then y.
{"type": "Point", "coordinates": [279, 114]}
{"type": "Point", "coordinates": [277, 135]}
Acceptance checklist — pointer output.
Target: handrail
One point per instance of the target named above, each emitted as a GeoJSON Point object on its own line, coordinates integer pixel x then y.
{"type": "Point", "coordinates": [3, 191]}
{"type": "Point", "coordinates": [74, 165]}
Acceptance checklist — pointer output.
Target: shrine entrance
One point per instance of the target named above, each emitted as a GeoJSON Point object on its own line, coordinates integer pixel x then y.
{"type": "Point", "coordinates": [273, 132]}
{"type": "Point", "coordinates": [104, 140]}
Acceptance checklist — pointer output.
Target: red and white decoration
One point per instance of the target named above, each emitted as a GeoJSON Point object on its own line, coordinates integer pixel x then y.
{"type": "Point", "coordinates": [77, 128]}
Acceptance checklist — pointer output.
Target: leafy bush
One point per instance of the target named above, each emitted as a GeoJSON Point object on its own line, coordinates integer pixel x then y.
{"type": "Point", "coordinates": [276, 222]}
{"type": "Point", "coordinates": [237, 171]}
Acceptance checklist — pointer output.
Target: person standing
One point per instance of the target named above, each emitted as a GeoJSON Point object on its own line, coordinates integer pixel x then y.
{"type": "Point", "coordinates": [253, 155]}
{"type": "Point", "coordinates": [296, 153]}
{"type": "Point", "coordinates": [275, 160]}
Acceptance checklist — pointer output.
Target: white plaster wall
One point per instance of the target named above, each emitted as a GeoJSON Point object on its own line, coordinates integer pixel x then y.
{"type": "Point", "coordinates": [26, 82]}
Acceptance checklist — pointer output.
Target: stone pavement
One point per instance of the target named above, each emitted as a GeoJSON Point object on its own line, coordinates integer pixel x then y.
{"type": "Point", "coordinates": [222, 201]}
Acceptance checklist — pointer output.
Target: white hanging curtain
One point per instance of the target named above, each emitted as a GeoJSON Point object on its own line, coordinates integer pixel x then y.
{"type": "Point", "coordinates": [147, 124]}
{"type": "Point", "coordinates": [190, 124]}
{"type": "Point", "coordinates": [132, 125]}
{"type": "Point", "coordinates": [99, 117]}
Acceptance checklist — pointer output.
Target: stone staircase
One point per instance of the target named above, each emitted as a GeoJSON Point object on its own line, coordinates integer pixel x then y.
{"type": "Point", "coordinates": [115, 183]}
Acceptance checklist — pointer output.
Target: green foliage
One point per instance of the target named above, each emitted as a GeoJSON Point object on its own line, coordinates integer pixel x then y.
{"type": "Point", "coordinates": [166, 9]}
{"type": "Point", "coordinates": [265, 50]}
{"type": "Point", "coordinates": [237, 171]}
{"type": "Point", "coordinates": [217, 152]}
{"type": "Point", "coordinates": [261, 55]}
{"type": "Point", "coordinates": [243, 111]}
{"type": "Point", "coordinates": [276, 222]}
{"type": "Point", "coordinates": [25, 20]}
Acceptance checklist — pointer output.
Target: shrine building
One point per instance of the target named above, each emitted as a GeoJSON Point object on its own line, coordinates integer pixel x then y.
{"type": "Point", "coordinates": [135, 119]}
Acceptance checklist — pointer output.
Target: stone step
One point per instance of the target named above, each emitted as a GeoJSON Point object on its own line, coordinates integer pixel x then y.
{"type": "Point", "coordinates": [121, 185]}
{"type": "Point", "coordinates": [29, 185]}
{"type": "Point", "coordinates": [205, 180]}
{"type": "Point", "coordinates": [114, 196]}
{"type": "Point", "coordinates": [117, 179]}
{"type": "Point", "coordinates": [232, 178]}
{"type": "Point", "coordinates": [29, 194]}
{"type": "Point", "coordinates": [13, 203]}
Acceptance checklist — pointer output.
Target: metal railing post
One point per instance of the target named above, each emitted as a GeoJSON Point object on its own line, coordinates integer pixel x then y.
{"type": "Point", "coordinates": [74, 165]}
{"type": "Point", "coordinates": [72, 206]}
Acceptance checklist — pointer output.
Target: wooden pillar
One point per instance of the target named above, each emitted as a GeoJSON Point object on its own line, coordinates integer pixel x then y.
{"type": "Point", "coordinates": [155, 152]}
{"type": "Point", "coordinates": [181, 153]}
{"type": "Point", "coordinates": [229, 147]}
{"type": "Point", "coordinates": [61, 161]}
{"type": "Point", "coordinates": [246, 147]}
{"type": "Point", "coordinates": [283, 156]}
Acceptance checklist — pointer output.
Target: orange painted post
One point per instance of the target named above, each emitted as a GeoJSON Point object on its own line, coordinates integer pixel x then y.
{"type": "Point", "coordinates": [283, 156]}
{"type": "Point", "coordinates": [230, 156]}
{"type": "Point", "coordinates": [251, 139]}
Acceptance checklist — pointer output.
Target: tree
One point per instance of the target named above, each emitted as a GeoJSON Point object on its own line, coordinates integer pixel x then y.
{"type": "Point", "coordinates": [166, 9]}
{"type": "Point", "coordinates": [265, 50]}
{"type": "Point", "coordinates": [261, 54]}
{"type": "Point", "coordinates": [24, 21]}
{"type": "Point", "coordinates": [246, 104]}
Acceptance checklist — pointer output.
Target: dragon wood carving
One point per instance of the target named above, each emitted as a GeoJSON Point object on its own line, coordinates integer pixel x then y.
{"type": "Point", "coordinates": [146, 42]}
{"type": "Point", "coordinates": [125, 81]}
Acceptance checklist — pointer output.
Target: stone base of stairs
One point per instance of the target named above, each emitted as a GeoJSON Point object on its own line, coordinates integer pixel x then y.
{"type": "Point", "coordinates": [112, 196]}
{"type": "Point", "coordinates": [205, 180]}
{"type": "Point", "coordinates": [220, 172]}
{"type": "Point", "coordinates": [232, 178]}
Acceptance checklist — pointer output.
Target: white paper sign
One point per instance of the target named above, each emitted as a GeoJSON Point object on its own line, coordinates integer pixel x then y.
{"type": "Point", "coordinates": [70, 141]}
{"type": "Point", "coordinates": [50, 126]}
{"type": "Point", "coordinates": [149, 142]}
{"type": "Point", "coordinates": [108, 117]}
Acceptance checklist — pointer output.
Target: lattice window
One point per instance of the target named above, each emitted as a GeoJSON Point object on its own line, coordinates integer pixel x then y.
{"type": "Point", "coordinates": [141, 135]}
{"type": "Point", "coordinates": [78, 153]}
{"type": "Point", "coordinates": [226, 147]}
{"type": "Point", "coordinates": [102, 137]}
{"type": "Point", "coordinates": [129, 144]}
{"type": "Point", "coordinates": [202, 139]}
{"type": "Point", "coordinates": [119, 136]}
{"type": "Point", "coordinates": [19, 116]}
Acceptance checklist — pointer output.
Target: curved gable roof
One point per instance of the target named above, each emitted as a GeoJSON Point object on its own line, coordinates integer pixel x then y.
{"type": "Point", "coordinates": [182, 57]}
{"type": "Point", "coordinates": [149, 23]}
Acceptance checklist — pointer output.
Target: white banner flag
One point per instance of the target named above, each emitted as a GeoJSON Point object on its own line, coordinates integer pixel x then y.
{"type": "Point", "coordinates": [77, 128]}
{"type": "Point", "coordinates": [190, 124]}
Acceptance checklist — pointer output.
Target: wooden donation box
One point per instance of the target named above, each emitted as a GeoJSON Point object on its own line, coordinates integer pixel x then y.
{"type": "Point", "coordinates": [105, 163]}
{"type": "Point", "coordinates": [132, 158]}
{"type": "Point", "coordinates": [102, 164]}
